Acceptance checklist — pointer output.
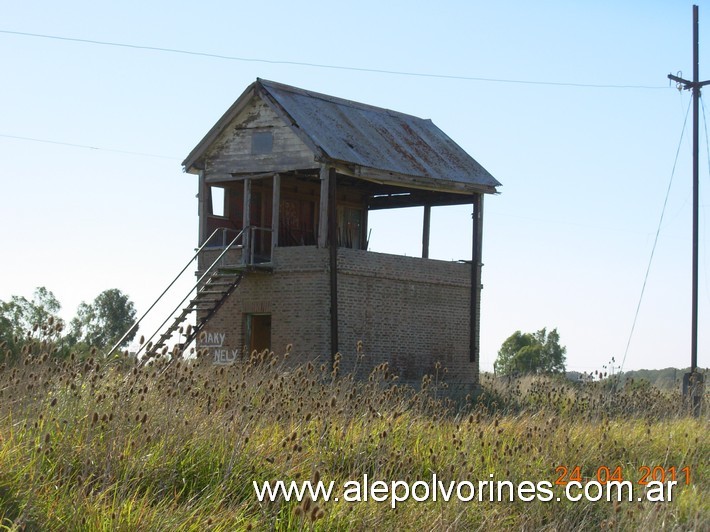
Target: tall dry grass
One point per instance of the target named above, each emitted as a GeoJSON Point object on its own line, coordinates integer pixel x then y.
{"type": "Point", "coordinates": [175, 444]}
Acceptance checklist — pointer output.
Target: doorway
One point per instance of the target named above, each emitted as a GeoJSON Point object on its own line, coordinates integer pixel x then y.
{"type": "Point", "coordinates": [258, 332]}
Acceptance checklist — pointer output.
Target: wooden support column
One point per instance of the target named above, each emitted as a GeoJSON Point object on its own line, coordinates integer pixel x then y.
{"type": "Point", "coordinates": [425, 231]}
{"type": "Point", "coordinates": [364, 244]}
{"type": "Point", "coordinates": [246, 220]}
{"type": "Point", "coordinates": [333, 243]}
{"type": "Point", "coordinates": [477, 239]}
{"type": "Point", "coordinates": [323, 208]}
{"type": "Point", "coordinates": [202, 191]}
{"type": "Point", "coordinates": [276, 203]}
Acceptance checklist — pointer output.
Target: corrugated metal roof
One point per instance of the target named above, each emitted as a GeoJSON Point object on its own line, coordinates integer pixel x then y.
{"type": "Point", "coordinates": [372, 139]}
{"type": "Point", "coordinates": [376, 138]}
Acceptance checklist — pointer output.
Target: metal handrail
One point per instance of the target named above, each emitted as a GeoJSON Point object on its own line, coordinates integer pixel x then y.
{"type": "Point", "coordinates": [222, 242]}
{"type": "Point", "coordinates": [197, 284]}
{"type": "Point", "coordinates": [135, 325]}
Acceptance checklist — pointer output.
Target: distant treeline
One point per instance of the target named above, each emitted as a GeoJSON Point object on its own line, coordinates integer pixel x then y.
{"type": "Point", "coordinates": [664, 379]}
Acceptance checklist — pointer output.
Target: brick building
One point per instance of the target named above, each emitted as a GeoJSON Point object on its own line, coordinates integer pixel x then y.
{"type": "Point", "coordinates": [286, 180]}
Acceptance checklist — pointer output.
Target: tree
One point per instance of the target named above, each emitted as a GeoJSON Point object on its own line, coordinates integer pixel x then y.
{"type": "Point", "coordinates": [101, 323]}
{"type": "Point", "coordinates": [21, 319]}
{"type": "Point", "coordinates": [538, 352]}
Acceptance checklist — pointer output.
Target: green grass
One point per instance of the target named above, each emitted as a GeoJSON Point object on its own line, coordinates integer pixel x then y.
{"type": "Point", "coordinates": [90, 445]}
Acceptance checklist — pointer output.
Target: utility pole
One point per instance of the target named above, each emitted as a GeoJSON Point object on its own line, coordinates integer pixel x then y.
{"type": "Point", "coordinates": [693, 381]}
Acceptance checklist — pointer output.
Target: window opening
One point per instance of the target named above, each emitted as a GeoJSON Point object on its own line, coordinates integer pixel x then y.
{"type": "Point", "coordinates": [350, 227]}
{"type": "Point", "coordinates": [262, 142]}
{"type": "Point", "coordinates": [297, 222]}
{"type": "Point", "coordinates": [217, 196]}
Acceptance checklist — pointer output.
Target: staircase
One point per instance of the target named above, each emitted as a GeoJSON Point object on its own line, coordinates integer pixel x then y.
{"type": "Point", "coordinates": [209, 298]}
{"type": "Point", "coordinates": [213, 288]}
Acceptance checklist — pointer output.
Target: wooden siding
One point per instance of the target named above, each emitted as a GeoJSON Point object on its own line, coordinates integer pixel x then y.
{"type": "Point", "coordinates": [232, 153]}
{"type": "Point", "coordinates": [299, 216]}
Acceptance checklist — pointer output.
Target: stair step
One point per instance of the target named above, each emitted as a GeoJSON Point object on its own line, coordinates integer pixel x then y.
{"type": "Point", "coordinates": [202, 301]}
{"type": "Point", "coordinates": [223, 274]}
{"type": "Point", "coordinates": [205, 301]}
{"type": "Point", "coordinates": [210, 292]}
{"type": "Point", "coordinates": [209, 298]}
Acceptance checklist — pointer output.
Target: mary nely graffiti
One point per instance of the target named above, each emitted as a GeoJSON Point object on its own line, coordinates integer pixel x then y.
{"type": "Point", "coordinates": [214, 343]}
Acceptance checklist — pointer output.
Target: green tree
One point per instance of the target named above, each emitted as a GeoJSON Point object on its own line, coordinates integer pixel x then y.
{"type": "Point", "coordinates": [538, 352]}
{"type": "Point", "coordinates": [22, 319]}
{"type": "Point", "coordinates": [101, 323]}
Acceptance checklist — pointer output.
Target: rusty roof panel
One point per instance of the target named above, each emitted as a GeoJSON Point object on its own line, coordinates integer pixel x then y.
{"type": "Point", "coordinates": [376, 138]}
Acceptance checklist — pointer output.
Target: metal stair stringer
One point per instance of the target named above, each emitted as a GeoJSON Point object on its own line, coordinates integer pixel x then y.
{"type": "Point", "coordinates": [208, 300]}
{"type": "Point", "coordinates": [238, 276]}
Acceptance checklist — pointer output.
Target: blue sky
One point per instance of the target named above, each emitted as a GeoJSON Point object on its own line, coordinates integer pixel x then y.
{"type": "Point", "coordinates": [584, 169]}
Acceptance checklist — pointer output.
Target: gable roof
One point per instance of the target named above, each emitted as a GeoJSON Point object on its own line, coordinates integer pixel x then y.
{"type": "Point", "coordinates": [370, 139]}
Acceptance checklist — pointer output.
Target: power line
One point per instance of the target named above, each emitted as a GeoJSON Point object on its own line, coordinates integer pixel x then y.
{"type": "Point", "coordinates": [655, 240]}
{"type": "Point", "coordinates": [59, 143]}
{"type": "Point", "coordinates": [331, 67]}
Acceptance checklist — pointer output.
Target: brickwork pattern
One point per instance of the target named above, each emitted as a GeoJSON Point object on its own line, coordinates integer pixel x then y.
{"type": "Point", "coordinates": [406, 311]}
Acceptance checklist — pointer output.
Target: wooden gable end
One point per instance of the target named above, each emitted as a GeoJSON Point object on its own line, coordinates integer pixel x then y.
{"type": "Point", "coordinates": [257, 140]}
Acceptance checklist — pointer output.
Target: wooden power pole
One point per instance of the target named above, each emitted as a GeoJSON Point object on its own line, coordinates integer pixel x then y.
{"type": "Point", "coordinates": [693, 381]}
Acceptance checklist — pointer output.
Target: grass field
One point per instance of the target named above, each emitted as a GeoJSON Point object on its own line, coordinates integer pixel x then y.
{"type": "Point", "coordinates": [110, 445]}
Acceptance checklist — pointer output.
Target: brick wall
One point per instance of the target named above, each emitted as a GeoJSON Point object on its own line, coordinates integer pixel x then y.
{"type": "Point", "coordinates": [296, 295]}
{"type": "Point", "coordinates": [406, 311]}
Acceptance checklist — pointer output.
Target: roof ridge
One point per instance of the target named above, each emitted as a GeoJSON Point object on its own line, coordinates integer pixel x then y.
{"type": "Point", "coordinates": [335, 99]}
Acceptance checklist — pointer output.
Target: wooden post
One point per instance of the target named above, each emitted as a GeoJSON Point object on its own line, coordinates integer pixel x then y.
{"type": "Point", "coordinates": [695, 86]}
{"type": "Point", "coordinates": [323, 208]}
{"type": "Point", "coordinates": [694, 280]}
{"type": "Point", "coordinates": [202, 192]}
{"type": "Point", "coordinates": [365, 221]}
{"type": "Point", "coordinates": [276, 202]}
{"type": "Point", "coordinates": [425, 231]}
{"type": "Point", "coordinates": [246, 221]}
{"type": "Point", "coordinates": [333, 243]}
{"type": "Point", "coordinates": [477, 239]}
